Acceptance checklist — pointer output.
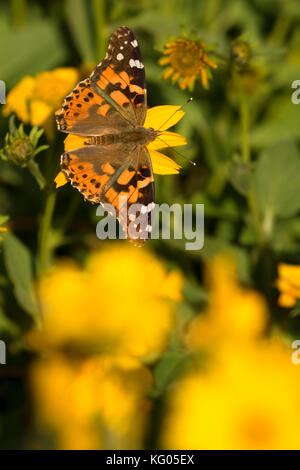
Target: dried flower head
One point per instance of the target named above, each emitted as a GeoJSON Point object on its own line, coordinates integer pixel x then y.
{"type": "Point", "coordinates": [187, 60]}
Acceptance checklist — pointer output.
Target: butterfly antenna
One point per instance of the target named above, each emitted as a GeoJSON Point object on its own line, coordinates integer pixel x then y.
{"type": "Point", "coordinates": [179, 109]}
{"type": "Point", "coordinates": [178, 153]}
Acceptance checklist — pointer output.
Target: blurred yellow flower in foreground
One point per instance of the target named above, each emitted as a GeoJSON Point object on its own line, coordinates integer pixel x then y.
{"type": "Point", "coordinates": [159, 118]}
{"type": "Point", "coordinates": [34, 99]}
{"type": "Point", "coordinates": [249, 399]}
{"type": "Point", "coordinates": [246, 393]}
{"type": "Point", "coordinates": [234, 312]}
{"type": "Point", "coordinates": [120, 301]}
{"type": "Point", "coordinates": [288, 283]}
{"type": "Point", "coordinates": [186, 60]}
{"type": "Point", "coordinates": [97, 403]}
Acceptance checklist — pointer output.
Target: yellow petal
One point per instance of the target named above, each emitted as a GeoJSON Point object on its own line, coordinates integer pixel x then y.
{"type": "Point", "coordinates": [184, 83]}
{"type": "Point", "coordinates": [167, 139]}
{"type": "Point", "coordinates": [39, 112]}
{"type": "Point", "coordinates": [60, 179]}
{"type": "Point", "coordinates": [168, 73]}
{"type": "Point", "coordinates": [286, 301]}
{"type": "Point", "coordinates": [3, 229]}
{"type": "Point", "coordinates": [163, 117]}
{"type": "Point", "coordinates": [290, 272]}
{"type": "Point", "coordinates": [164, 60]}
{"type": "Point", "coordinates": [163, 165]}
{"type": "Point", "coordinates": [204, 78]}
{"type": "Point", "coordinates": [73, 142]}
{"type": "Point", "coordinates": [18, 98]}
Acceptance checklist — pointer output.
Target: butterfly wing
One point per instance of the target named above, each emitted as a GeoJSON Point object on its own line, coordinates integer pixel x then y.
{"type": "Point", "coordinates": [113, 97]}
{"type": "Point", "coordinates": [121, 75]}
{"type": "Point", "coordinates": [121, 176]}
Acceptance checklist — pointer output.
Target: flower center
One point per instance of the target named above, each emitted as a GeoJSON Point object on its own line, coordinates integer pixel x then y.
{"type": "Point", "coordinates": [187, 58]}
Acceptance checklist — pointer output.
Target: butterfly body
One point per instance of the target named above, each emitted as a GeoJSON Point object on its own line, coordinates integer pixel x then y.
{"type": "Point", "coordinates": [138, 135]}
{"type": "Point", "coordinates": [107, 158]}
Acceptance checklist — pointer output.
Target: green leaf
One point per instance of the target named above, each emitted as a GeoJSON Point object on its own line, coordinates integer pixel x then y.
{"type": "Point", "coordinates": [277, 180]}
{"type": "Point", "coordinates": [295, 312]}
{"type": "Point", "coordinates": [80, 25]}
{"type": "Point", "coordinates": [3, 219]}
{"type": "Point", "coordinates": [168, 369]}
{"type": "Point", "coordinates": [18, 264]}
{"type": "Point", "coordinates": [281, 123]}
{"type": "Point", "coordinates": [7, 325]}
{"type": "Point", "coordinates": [194, 293]}
{"type": "Point", "coordinates": [239, 174]}
{"type": "Point", "coordinates": [31, 49]}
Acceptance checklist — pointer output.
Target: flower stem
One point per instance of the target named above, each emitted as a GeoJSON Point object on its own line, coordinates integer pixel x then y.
{"type": "Point", "coordinates": [244, 113]}
{"type": "Point", "coordinates": [246, 155]}
{"type": "Point", "coordinates": [43, 257]}
{"type": "Point", "coordinates": [36, 173]}
{"type": "Point", "coordinates": [99, 19]}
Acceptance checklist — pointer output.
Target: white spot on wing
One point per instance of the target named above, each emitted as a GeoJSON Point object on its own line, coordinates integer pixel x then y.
{"type": "Point", "coordinates": [134, 43]}
{"type": "Point", "coordinates": [150, 206]}
{"type": "Point", "coordinates": [136, 63]}
{"type": "Point", "coordinates": [120, 56]}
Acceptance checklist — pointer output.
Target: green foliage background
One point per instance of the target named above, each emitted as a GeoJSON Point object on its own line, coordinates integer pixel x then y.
{"type": "Point", "coordinates": [260, 226]}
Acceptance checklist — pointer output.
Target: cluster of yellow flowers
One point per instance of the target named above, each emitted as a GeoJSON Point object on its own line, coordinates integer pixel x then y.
{"type": "Point", "coordinates": [245, 395]}
{"type": "Point", "coordinates": [105, 324]}
{"type": "Point", "coordinates": [101, 324]}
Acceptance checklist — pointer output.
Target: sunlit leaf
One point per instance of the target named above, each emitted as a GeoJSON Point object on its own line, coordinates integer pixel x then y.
{"type": "Point", "coordinates": [18, 264]}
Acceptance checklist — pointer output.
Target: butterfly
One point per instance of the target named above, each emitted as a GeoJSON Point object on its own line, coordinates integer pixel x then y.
{"type": "Point", "coordinates": [104, 115]}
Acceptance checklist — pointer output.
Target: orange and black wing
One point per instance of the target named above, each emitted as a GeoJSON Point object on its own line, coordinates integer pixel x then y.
{"type": "Point", "coordinates": [113, 97]}
{"type": "Point", "coordinates": [119, 177]}
{"type": "Point", "coordinates": [121, 75]}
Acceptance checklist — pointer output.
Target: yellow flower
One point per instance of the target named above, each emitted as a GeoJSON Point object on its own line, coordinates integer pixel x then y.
{"type": "Point", "coordinates": [34, 99]}
{"type": "Point", "coordinates": [120, 301]}
{"type": "Point", "coordinates": [234, 313]}
{"type": "Point", "coordinates": [288, 284]}
{"type": "Point", "coordinates": [96, 403]}
{"type": "Point", "coordinates": [159, 118]}
{"type": "Point", "coordinates": [186, 60]}
{"type": "Point", "coordinates": [248, 400]}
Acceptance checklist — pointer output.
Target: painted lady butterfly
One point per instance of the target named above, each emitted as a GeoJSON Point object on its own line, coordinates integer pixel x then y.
{"type": "Point", "coordinates": [104, 116]}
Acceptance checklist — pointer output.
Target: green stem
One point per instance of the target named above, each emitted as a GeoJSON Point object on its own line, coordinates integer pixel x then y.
{"type": "Point", "coordinates": [36, 173]}
{"type": "Point", "coordinates": [19, 12]}
{"type": "Point", "coordinates": [69, 214]}
{"type": "Point", "coordinates": [244, 113]}
{"type": "Point", "coordinates": [280, 29]}
{"type": "Point", "coordinates": [99, 19]}
{"type": "Point", "coordinates": [45, 226]}
{"type": "Point", "coordinates": [246, 155]}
